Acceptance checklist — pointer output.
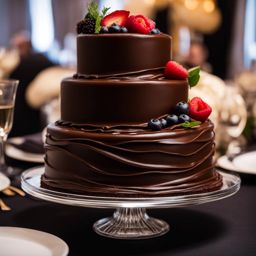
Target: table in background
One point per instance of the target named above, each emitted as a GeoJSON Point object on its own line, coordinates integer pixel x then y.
{"type": "Point", "coordinates": [225, 227]}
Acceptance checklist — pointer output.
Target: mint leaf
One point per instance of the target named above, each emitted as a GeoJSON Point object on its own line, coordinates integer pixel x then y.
{"type": "Point", "coordinates": [104, 11]}
{"type": "Point", "coordinates": [99, 18]}
{"type": "Point", "coordinates": [193, 76]}
{"type": "Point", "coordinates": [93, 13]}
{"type": "Point", "coordinates": [190, 124]}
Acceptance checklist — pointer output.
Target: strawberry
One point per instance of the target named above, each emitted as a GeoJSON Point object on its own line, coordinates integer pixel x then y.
{"type": "Point", "coordinates": [140, 24]}
{"type": "Point", "coordinates": [199, 110]}
{"type": "Point", "coordinates": [118, 17]}
{"type": "Point", "coordinates": [174, 70]}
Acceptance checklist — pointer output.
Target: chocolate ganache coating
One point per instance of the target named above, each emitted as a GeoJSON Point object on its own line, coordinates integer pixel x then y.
{"type": "Point", "coordinates": [100, 55]}
{"type": "Point", "coordinates": [130, 162]}
{"type": "Point", "coordinates": [123, 100]}
{"type": "Point", "coordinates": [102, 145]}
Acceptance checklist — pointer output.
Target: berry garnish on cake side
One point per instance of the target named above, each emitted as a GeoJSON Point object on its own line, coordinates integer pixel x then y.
{"type": "Point", "coordinates": [185, 114]}
{"type": "Point", "coordinates": [198, 109]}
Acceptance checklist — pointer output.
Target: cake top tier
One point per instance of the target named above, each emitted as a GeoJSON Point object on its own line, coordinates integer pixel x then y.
{"type": "Point", "coordinates": [101, 55]}
{"type": "Point", "coordinates": [118, 43]}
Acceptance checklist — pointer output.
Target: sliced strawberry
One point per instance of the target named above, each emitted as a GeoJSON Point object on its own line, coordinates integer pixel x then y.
{"type": "Point", "coordinates": [118, 17]}
{"type": "Point", "coordinates": [199, 110]}
{"type": "Point", "coordinates": [140, 24]}
{"type": "Point", "coordinates": [173, 70]}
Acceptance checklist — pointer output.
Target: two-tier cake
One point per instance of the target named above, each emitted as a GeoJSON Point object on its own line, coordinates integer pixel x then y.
{"type": "Point", "coordinates": [127, 127]}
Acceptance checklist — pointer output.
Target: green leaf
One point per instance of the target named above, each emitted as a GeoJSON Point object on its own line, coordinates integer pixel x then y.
{"type": "Point", "coordinates": [97, 25]}
{"type": "Point", "coordinates": [93, 10]}
{"type": "Point", "coordinates": [190, 124]}
{"type": "Point", "coordinates": [193, 76]}
{"type": "Point", "coordinates": [104, 11]}
{"type": "Point", "coordinates": [93, 13]}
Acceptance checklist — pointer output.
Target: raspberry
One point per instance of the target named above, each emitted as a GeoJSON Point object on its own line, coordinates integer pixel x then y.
{"type": "Point", "coordinates": [140, 24]}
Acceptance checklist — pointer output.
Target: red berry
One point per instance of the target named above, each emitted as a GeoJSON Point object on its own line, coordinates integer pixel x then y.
{"type": "Point", "coordinates": [118, 17]}
{"type": "Point", "coordinates": [174, 70]}
{"type": "Point", "coordinates": [199, 110]}
{"type": "Point", "coordinates": [140, 24]}
{"type": "Point", "coordinates": [152, 24]}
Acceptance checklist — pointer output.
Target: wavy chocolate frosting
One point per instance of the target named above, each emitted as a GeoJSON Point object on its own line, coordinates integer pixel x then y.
{"type": "Point", "coordinates": [138, 163]}
{"type": "Point", "coordinates": [100, 55]}
{"type": "Point", "coordinates": [120, 100]}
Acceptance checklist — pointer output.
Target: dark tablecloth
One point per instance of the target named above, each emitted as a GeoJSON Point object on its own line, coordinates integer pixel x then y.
{"type": "Point", "coordinates": [225, 227]}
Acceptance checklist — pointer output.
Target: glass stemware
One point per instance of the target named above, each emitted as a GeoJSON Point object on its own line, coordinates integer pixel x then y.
{"type": "Point", "coordinates": [8, 89]}
{"type": "Point", "coordinates": [232, 119]}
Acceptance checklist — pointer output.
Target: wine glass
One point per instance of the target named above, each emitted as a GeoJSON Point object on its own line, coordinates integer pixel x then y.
{"type": "Point", "coordinates": [232, 119]}
{"type": "Point", "coordinates": [8, 89]}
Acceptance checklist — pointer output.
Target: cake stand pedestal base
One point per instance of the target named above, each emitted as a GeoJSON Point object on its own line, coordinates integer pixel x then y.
{"type": "Point", "coordinates": [130, 223]}
{"type": "Point", "coordinates": [130, 220]}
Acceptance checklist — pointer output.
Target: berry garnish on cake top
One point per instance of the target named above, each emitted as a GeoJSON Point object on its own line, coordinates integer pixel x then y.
{"type": "Point", "coordinates": [91, 22]}
{"type": "Point", "coordinates": [118, 21]}
{"type": "Point", "coordinates": [118, 17]}
{"type": "Point", "coordinates": [140, 24]}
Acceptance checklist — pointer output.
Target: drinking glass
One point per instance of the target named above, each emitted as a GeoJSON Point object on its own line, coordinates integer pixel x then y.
{"type": "Point", "coordinates": [8, 89]}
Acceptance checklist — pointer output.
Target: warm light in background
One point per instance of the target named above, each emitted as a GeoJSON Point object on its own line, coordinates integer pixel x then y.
{"type": "Point", "coordinates": [209, 6]}
{"type": "Point", "coordinates": [149, 2]}
{"type": "Point", "coordinates": [191, 4]}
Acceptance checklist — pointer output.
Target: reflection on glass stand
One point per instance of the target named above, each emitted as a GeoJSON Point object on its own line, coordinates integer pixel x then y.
{"type": "Point", "coordinates": [130, 220]}
{"type": "Point", "coordinates": [8, 89]}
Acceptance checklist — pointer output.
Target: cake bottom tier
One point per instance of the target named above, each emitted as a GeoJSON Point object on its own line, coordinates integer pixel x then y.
{"type": "Point", "coordinates": [130, 162]}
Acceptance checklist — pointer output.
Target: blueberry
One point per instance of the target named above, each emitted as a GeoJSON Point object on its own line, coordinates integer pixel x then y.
{"type": "Point", "coordinates": [181, 108]}
{"type": "Point", "coordinates": [172, 119]}
{"type": "Point", "coordinates": [155, 31]}
{"type": "Point", "coordinates": [163, 122]}
{"type": "Point", "coordinates": [123, 30]}
{"type": "Point", "coordinates": [103, 30]}
{"type": "Point", "coordinates": [155, 124]}
{"type": "Point", "coordinates": [184, 118]}
{"type": "Point", "coordinates": [114, 28]}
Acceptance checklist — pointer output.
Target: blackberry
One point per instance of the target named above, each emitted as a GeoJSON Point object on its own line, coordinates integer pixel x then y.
{"type": "Point", "coordinates": [86, 26]}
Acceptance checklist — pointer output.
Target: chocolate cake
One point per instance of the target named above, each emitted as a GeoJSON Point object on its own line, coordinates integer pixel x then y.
{"type": "Point", "coordinates": [103, 143]}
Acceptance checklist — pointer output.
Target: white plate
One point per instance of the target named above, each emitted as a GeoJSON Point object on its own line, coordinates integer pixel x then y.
{"type": "Point", "coordinates": [19, 154]}
{"type": "Point", "coordinates": [244, 163]}
{"type": "Point", "coordinates": [4, 183]}
{"type": "Point", "coordinates": [29, 242]}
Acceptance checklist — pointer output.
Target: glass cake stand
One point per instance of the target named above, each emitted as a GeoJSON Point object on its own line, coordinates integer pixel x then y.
{"type": "Point", "coordinates": [130, 220]}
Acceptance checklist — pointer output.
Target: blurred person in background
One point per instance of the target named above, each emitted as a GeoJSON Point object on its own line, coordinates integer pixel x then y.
{"type": "Point", "coordinates": [197, 56]}
{"type": "Point", "coordinates": [27, 120]}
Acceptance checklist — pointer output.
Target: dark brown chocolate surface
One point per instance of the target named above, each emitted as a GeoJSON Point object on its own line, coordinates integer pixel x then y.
{"type": "Point", "coordinates": [119, 100]}
{"type": "Point", "coordinates": [102, 144]}
{"type": "Point", "coordinates": [111, 54]}
{"type": "Point", "coordinates": [131, 163]}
